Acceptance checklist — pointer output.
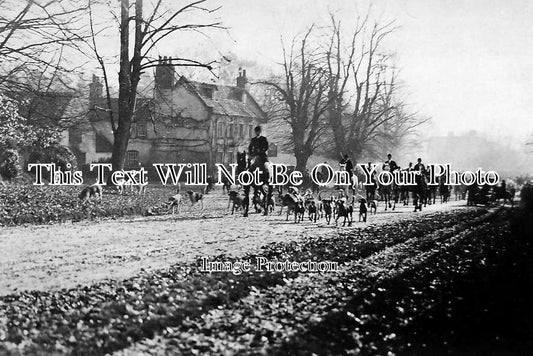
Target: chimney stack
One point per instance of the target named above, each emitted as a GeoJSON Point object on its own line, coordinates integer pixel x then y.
{"type": "Point", "coordinates": [241, 79]}
{"type": "Point", "coordinates": [164, 73]}
{"type": "Point", "coordinates": [95, 90]}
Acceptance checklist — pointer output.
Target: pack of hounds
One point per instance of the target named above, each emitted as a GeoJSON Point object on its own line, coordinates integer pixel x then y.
{"type": "Point", "coordinates": [314, 207]}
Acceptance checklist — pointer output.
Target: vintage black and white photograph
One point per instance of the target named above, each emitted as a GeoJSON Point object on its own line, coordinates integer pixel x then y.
{"type": "Point", "coordinates": [283, 177]}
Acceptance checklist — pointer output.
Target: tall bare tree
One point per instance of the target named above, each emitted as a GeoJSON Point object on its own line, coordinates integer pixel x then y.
{"type": "Point", "coordinates": [366, 110]}
{"type": "Point", "coordinates": [301, 98]}
{"type": "Point", "coordinates": [150, 28]}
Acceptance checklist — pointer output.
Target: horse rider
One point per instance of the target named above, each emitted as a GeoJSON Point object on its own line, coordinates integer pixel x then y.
{"type": "Point", "coordinates": [257, 150]}
{"type": "Point", "coordinates": [389, 164]}
{"type": "Point", "coordinates": [503, 186]}
{"type": "Point", "coordinates": [348, 167]}
{"type": "Point", "coordinates": [419, 166]}
{"type": "Point", "coordinates": [371, 188]}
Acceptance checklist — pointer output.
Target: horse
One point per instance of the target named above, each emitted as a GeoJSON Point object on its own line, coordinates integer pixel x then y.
{"type": "Point", "coordinates": [385, 191]}
{"type": "Point", "coordinates": [370, 191]}
{"type": "Point", "coordinates": [431, 194]}
{"type": "Point", "coordinates": [444, 190]}
{"type": "Point", "coordinates": [262, 196]}
{"type": "Point", "coordinates": [419, 192]}
{"type": "Point", "coordinates": [404, 191]}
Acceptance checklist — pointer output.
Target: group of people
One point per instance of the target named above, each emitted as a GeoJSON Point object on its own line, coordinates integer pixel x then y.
{"type": "Point", "coordinates": [258, 148]}
{"type": "Point", "coordinates": [258, 158]}
{"type": "Point", "coordinates": [389, 165]}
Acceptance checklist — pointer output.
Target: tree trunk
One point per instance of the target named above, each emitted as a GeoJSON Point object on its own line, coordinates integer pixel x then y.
{"type": "Point", "coordinates": [301, 160]}
{"type": "Point", "coordinates": [335, 120]}
{"type": "Point", "coordinates": [357, 153]}
{"type": "Point", "coordinates": [128, 78]}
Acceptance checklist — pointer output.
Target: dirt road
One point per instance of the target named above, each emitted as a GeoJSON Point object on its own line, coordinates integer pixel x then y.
{"type": "Point", "coordinates": [63, 256]}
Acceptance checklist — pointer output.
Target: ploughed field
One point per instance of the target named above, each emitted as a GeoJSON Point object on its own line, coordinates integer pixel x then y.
{"type": "Point", "coordinates": [446, 280]}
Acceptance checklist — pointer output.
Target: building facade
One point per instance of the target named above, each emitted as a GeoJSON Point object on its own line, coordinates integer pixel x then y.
{"type": "Point", "coordinates": [185, 121]}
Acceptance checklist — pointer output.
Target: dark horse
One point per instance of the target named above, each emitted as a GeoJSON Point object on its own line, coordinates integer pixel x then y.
{"type": "Point", "coordinates": [262, 197]}
{"type": "Point", "coordinates": [419, 191]}
{"type": "Point", "coordinates": [370, 189]}
{"type": "Point", "coordinates": [385, 191]}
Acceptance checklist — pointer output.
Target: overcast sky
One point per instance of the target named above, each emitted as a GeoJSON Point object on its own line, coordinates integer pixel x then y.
{"type": "Point", "coordinates": [466, 64]}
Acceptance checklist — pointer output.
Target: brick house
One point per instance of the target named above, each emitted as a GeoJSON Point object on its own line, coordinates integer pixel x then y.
{"type": "Point", "coordinates": [185, 121]}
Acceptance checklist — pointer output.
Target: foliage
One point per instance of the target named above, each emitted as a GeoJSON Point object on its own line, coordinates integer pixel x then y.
{"type": "Point", "coordinates": [32, 204]}
{"type": "Point", "coordinates": [17, 133]}
{"type": "Point", "coordinates": [59, 155]}
{"type": "Point", "coordinates": [13, 128]}
{"type": "Point", "coordinates": [10, 164]}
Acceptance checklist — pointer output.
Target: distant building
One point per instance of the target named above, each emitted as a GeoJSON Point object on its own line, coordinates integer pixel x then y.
{"type": "Point", "coordinates": [185, 121]}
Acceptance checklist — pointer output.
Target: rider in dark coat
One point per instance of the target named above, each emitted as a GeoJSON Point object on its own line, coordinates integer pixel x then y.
{"type": "Point", "coordinates": [420, 166]}
{"type": "Point", "coordinates": [348, 164]}
{"type": "Point", "coordinates": [257, 150]}
{"type": "Point", "coordinates": [258, 146]}
{"type": "Point", "coordinates": [390, 164]}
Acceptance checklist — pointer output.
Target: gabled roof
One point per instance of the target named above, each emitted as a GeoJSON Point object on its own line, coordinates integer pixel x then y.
{"type": "Point", "coordinates": [225, 99]}
{"type": "Point", "coordinates": [43, 108]}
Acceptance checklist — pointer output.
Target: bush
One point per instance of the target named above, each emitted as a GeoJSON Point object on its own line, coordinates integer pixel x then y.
{"type": "Point", "coordinates": [59, 155]}
{"type": "Point", "coordinates": [10, 164]}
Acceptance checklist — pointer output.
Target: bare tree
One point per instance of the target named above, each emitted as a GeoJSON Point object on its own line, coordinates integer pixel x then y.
{"type": "Point", "coordinates": [339, 64]}
{"type": "Point", "coordinates": [150, 28]}
{"type": "Point", "coordinates": [300, 98]}
{"type": "Point", "coordinates": [366, 112]}
{"type": "Point", "coordinates": [33, 35]}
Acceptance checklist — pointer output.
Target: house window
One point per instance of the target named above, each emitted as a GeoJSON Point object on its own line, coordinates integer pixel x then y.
{"type": "Point", "coordinates": [141, 129]}
{"type": "Point", "coordinates": [230, 133]}
{"type": "Point", "coordinates": [132, 159]}
{"type": "Point", "coordinates": [241, 130]}
{"type": "Point", "coordinates": [221, 130]}
{"type": "Point", "coordinates": [219, 157]}
{"type": "Point", "coordinates": [250, 130]}
{"type": "Point", "coordinates": [229, 156]}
